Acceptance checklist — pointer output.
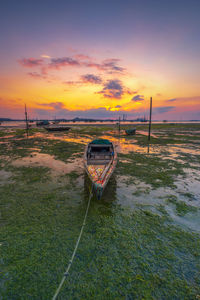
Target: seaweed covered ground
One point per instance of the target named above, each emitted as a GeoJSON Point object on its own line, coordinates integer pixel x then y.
{"type": "Point", "coordinates": [141, 241]}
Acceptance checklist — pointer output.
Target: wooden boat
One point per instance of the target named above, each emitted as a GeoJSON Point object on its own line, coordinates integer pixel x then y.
{"type": "Point", "coordinates": [57, 128]}
{"type": "Point", "coordinates": [100, 159]}
{"type": "Point", "coordinates": [42, 123]}
{"type": "Point", "coordinates": [130, 131]}
{"type": "Point", "coordinates": [55, 122]}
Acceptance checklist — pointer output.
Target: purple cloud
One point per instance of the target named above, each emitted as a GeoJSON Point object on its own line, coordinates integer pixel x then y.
{"type": "Point", "coordinates": [113, 89]}
{"type": "Point", "coordinates": [111, 65]}
{"type": "Point", "coordinates": [81, 56]}
{"type": "Point", "coordinates": [36, 75]}
{"type": "Point", "coordinates": [57, 63]}
{"type": "Point", "coordinates": [138, 98]}
{"type": "Point", "coordinates": [90, 78]}
{"type": "Point", "coordinates": [79, 60]}
{"type": "Point", "coordinates": [171, 100]}
{"type": "Point", "coordinates": [108, 65]}
{"type": "Point", "coordinates": [30, 62]}
{"type": "Point", "coordinates": [164, 109]}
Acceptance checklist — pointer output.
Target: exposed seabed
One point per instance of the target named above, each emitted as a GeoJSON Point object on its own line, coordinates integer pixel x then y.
{"type": "Point", "coordinates": [141, 241]}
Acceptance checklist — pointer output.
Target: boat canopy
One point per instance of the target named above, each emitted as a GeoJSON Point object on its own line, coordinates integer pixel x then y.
{"type": "Point", "coordinates": [101, 142]}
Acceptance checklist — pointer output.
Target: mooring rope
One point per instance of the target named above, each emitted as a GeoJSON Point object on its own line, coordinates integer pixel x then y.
{"type": "Point", "coordinates": [75, 249]}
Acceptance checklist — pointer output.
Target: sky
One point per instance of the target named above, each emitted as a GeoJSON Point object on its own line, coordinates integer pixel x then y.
{"type": "Point", "coordinates": [100, 59]}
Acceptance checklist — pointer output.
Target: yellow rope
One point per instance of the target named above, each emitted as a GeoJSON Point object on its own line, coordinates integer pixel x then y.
{"type": "Point", "coordinates": [75, 249]}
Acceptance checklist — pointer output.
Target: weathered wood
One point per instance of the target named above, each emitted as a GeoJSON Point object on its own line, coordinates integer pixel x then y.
{"type": "Point", "coordinates": [100, 170]}
{"type": "Point", "coordinates": [60, 128]}
{"type": "Point", "coordinates": [150, 113]}
{"type": "Point", "coordinates": [26, 118]}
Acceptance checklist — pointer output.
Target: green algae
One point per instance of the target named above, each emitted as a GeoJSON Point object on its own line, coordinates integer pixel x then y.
{"type": "Point", "coordinates": [124, 254]}
{"type": "Point", "coordinates": [181, 207]}
{"type": "Point", "coordinates": [151, 169]}
{"type": "Point", "coordinates": [61, 149]}
{"type": "Point", "coordinates": [121, 255]}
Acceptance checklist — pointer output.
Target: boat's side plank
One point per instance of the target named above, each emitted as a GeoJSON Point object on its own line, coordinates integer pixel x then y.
{"type": "Point", "coordinates": [100, 170]}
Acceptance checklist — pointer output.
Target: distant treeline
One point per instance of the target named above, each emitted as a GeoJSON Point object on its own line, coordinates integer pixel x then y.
{"type": "Point", "coordinates": [76, 120]}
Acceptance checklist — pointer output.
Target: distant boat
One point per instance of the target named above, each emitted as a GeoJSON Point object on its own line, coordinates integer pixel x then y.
{"type": "Point", "coordinates": [100, 159]}
{"type": "Point", "coordinates": [55, 122]}
{"type": "Point", "coordinates": [130, 131]}
{"type": "Point", "coordinates": [42, 123]}
{"type": "Point", "coordinates": [57, 128]}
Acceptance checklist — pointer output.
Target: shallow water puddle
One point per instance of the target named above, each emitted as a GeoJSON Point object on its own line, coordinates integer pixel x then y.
{"type": "Point", "coordinates": [146, 133]}
{"type": "Point", "coordinates": [70, 137]}
{"type": "Point", "coordinates": [5, 177]}
{"type": "Point", "coordinates": [139, 193]}
{"type": "Point", "coordinates": [184, 149]}
{"type": "Point", "coordinates": [190, 184]}
{"type": "Point", "coordinates": [190, 220]}
{"type": "Point", "coordinates": [57, 167]}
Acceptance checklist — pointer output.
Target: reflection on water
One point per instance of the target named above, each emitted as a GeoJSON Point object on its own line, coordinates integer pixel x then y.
{"type": "Point", "coordinates": [122, 144]}
{"type": "Point", "coordinates": [70, 137]}
{"type": "Point", "coordinates": [146, 133]}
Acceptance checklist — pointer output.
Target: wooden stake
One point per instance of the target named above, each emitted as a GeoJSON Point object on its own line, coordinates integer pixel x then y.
{"type": "Point", "coordinates": [150, 112]}
{"type": "Point", "coordinates": [26, 121]}
{"type": "Point", "coordinates": [119, 124]}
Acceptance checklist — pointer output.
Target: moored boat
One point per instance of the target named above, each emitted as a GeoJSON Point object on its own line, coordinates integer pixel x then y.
{"type": "Point", "coordinates": [100, 160]}
{"type": "Point", "coordinates": [42, 123]}
{"type": "Point", "coordinates": [57, 128]}
{"type": "Point", "coordinates": [130, 131]}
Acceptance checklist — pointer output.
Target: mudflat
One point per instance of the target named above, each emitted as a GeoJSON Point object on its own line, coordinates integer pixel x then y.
{"type": "Point", "coordinates": [141, 241]}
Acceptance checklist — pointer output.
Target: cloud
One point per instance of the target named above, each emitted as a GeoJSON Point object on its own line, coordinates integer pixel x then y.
{"type": "Point", "coordinates": [36, 75]}
{"type": "Point", "coordinates": [111, 64]}
{"type": "Point", "coordinates": [113, 89]}
{"type": "Point", "coordinates": [70, 82]}
{"type": "Point", "coordinates": [108, 65]}
{"type": "Point", "coordinates": [90, 78]}
{"type": "Point", "coordinates": [79, 60]}
{"type": "Point", "coordinates": [171, 100]}
{"type": "Point", "coordinates": [138, 98]}
{"type": "Point", "coordinates": [45, 56]}
{"type": "Point", "coordinates": [42, 113]}
{"type": "Point", "coordinates": [53, 105]}
{"type": "Point", "coordinates": [164, 109]}
{"type": "Point", "coordinates": [31, 62]}
{"type": "Point", "coordinates": [94, 113]}
{"type": "Point", "coordinates": [118, 106]}
{"type": "Point", "coordinates": [81, 56]}
{"type": "Point", "coordinates": [57, 63]}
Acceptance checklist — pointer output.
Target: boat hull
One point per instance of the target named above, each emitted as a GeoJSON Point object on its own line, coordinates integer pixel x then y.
{"type": "Point", "coordinates": [99, 174]}
{"type": "Point", "coordinates": [57, 128]}
{"type": "Point", "coordinates": [130, 131]}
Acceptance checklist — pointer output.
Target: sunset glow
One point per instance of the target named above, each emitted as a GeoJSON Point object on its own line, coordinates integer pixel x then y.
{"type": "Point", "coordinates": [100, 61]}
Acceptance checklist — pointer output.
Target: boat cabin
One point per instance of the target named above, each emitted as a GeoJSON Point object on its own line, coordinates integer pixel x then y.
{"type": "Point", "coordinates": [99, 153]}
